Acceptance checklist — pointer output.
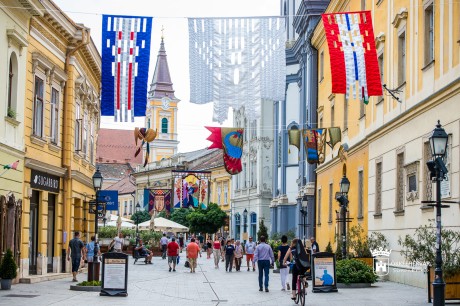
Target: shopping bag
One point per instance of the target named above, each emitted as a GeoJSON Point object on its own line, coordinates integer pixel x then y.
{"type": "Point", "coordinates": [178, 259]}
{"type": "Point", "coordinates": [187, 264]}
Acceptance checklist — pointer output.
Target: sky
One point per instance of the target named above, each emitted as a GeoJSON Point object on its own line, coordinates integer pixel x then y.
{"type": "Point", "coordinates": [172, 16]}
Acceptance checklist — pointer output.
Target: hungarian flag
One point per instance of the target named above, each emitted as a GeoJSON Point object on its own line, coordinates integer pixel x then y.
{"type": "Point", "coordinates": [353, 57]}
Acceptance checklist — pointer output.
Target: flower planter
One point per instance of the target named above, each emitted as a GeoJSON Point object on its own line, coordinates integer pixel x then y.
{"type": "Point", "coordinates": [85, 288]}
{"type": "Point", "coordinates": [452, 291]}
{"type": "Point", "coordinates": [6, 284]}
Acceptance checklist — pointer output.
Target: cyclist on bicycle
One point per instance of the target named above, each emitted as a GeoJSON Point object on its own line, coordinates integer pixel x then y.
{"type": "Point", "coordinates": [297, 254]}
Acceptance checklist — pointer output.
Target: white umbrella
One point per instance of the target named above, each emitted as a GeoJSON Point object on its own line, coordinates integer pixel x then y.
{"type": "Point", "coordinates": [121, 224]}
{"type": "Point", "coordinates": [162, 224]}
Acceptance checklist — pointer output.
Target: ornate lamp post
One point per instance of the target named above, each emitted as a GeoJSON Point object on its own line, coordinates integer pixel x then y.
{"type": "Point", "coordinates": [97, 184]}
{"type": "Point", "coordinates": [438, 142]}
{"type": "Point", "coordinates": [245, 217]}
{"type": "Point", "coordinates": [138, 209]}
{"type": "Point", "coordinates": [303, 211]}
{"type": "Point", "coordinates": [343, 200]}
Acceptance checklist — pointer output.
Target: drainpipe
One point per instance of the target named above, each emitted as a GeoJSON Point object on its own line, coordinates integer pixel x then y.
{"type": "Point", "coordinates": [66, 139]}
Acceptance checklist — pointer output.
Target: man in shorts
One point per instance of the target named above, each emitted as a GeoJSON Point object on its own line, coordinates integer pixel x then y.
{"type": "Point", "coordinates": [164, 244]}
{"type": "Point", "coordinates": [249, 248]}
{"type": "Point", "coordinates": [192, 254]}
{"type": "Point", "coordinates": [76, 251]}
{"type": "Point", "coordinates": [173, 252]}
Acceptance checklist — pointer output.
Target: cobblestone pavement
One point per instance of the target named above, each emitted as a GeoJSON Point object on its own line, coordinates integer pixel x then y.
{"type": "Point", "coordinates": [154, 285]}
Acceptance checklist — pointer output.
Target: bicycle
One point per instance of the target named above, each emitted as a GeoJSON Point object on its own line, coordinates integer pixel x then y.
{"type": "Point", "coordinates": [302, 286]}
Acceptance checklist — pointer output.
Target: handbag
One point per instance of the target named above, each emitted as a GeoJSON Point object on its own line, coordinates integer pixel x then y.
{"type": "Point", "coordinates": [178, 259]}
{"type": "Point", "coordinates": [187, 264]}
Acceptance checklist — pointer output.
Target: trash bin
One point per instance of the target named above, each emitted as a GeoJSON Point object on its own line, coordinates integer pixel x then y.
{"type": "Point", "coordinates": [93, 271]}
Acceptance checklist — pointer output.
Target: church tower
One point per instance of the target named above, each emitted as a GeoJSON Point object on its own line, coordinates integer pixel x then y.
{"type": "Point", "coordinates": [161, 113]}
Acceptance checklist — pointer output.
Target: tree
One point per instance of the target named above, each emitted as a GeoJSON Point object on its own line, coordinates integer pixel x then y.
{"type": "Point", "coordinates": [143, 216]}
{"type": "Point", "coordinates": [263, 231]}
{"type": "Point", "coordinates": [208, 220]}
{"type": "Point", "coordinates": [180, 216]}
{"type": "Point", "coordinates": [8, 267]}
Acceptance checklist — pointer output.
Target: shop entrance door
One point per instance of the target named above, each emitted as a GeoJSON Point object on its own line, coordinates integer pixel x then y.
{"type": "Point", "coordinates": [33, 232]}
{"type": "Point", "coordinates": [50, 240]}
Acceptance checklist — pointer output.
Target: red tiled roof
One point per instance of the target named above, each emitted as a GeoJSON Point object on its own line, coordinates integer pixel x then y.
{"type": "Point", "coordinates": [117, 146]}
{"type": "Point", "coordinates": [124, 186]}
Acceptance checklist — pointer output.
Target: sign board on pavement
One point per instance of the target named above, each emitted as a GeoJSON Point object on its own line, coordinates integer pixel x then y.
{"type": "Point", "coordinates": [114, 274]}
{"type": "Point", "coordinates": [323, 272]}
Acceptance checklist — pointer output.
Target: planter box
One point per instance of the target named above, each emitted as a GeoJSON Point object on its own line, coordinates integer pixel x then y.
{"type": "Point", "coordinates": [85, 288]}
{"type": "Point", "coordinates": [452, 291]}
{"type": "Point", "coordinates": [353, 285]}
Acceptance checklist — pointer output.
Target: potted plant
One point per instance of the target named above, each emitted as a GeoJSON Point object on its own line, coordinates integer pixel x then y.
{"type": "Point", "coordinates": [8, 270]}
{"type": "Point", "coordinates": [11, 113]}
{"type": "Point", "coordinates": [352, 273]}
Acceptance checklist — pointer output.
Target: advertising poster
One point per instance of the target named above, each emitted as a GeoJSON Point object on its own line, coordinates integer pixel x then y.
{"type": "Point", "coordinates": [324, 271]}
{"type": "Point", "coordinates": [114, 273]}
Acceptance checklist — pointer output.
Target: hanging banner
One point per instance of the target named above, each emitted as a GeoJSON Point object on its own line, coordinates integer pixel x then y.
{"type": "Point", "coordinates": [159, 200]}
{"type": "Point", "coordinates": [237, 62]}
{"type": "Point", "coordinates": [231, 141]}
{"type": "Point", "coordinates": [354, 65]}
{"type": "Point", "coordinates": [191, 189]}
{"type": "Point", "coordinates": [125, 66]}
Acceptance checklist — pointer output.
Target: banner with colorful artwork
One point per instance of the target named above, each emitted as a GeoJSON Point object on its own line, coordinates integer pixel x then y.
{"type": "Point", "coordinates": [125, 66]}
{"type": "Point", "coordinates": [191, 189]}
{"type": "Point", "coordinates": [159, 200]}
{"type": "Point", "coordinates": [231, 141]}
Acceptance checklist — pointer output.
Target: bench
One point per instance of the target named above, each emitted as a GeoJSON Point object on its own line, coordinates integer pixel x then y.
{"type": "Point", "coordinates": [136, 256]}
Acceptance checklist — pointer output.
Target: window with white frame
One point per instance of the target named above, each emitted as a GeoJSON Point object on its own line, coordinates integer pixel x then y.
{"type": "Point", "coordinates": [401, 58]}
{"type": "Point", "coordinates": [12, 86]}
{"type": "Point", "coordinates": [85, 134]}
{"type": "Point", "coordinates": [91, 147]}
{"type": "Point", "coordinates": [77, 127]}
{"type": "Point", "coordinates": [381, 69]}
{"type": "Point", "coordinates": [38, 107]}
{"type": "Point", "coordinates": [225, 193]}
{"type": "Point", "coordinates": [237, 226]}
{"type": "Point", "coordinates": [54, 116]}
{"type": "Point", "coordinates": [399, 182]}
{"type": "Point", "coordinates": [164, 125]}
{"type": "Point", "coordinates": [130, 207]}
{"type": "Point", "coordinates": [219, 195]}
{"type": "Point", "coordinates": [429, 33]}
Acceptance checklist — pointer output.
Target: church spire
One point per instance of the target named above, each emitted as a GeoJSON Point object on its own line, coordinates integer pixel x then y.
{"type": "Point", "coordinates": [161, 85]}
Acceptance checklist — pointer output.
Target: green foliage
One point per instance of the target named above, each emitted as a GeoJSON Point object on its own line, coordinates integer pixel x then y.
{"type": "Point", "coordinates": [263, 231]}
{"type": "Point", "coordinates": [421, 247]}
{"type": "Point", "coordinates": [275, 236]}
{"type": "Point", "coordinates": [11, 113]}
{"type": "Point", "coordinates": [150, 237]}
{"type": "Point", "coordinates": [8, 268]}
{"type": "Point", "coordinates": [107, 232]}
{"type": "Point", "coordinates": [208, 220]}
{"type": "Point", "coordinates": [274, 244]}
{"type": "Point", "coordinates": [143, 216]}
{"type": "Point", "coordinates": [377, 240]}
{"type": "Point", "coordinates": [128, 232]}
{"type": "Point", "coordinates": [290, 234]}
{"type": "Point", "coordinates": [357, 242]}
{"type": "Point", "coordinates": [163, 214]}
{"type": "Point", "coordinates": [354, 271]}
{"type": "Point", "coordinates": [328, 248]}
{"type": "Point", "coordinates": [89, 284]}
{"type": "Point", "coordinates": [180, 216]}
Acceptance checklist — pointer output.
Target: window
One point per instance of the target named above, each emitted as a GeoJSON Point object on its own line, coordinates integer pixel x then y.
{"type": "Point", "coordinates": [402, 58]}
{"type": "Point", "coordinates": [253, 174]}
{"type": "Point", "coordinates": [164, 125]}
{"type": "Point", "coordinates": [378, 189]}
{"type": "Point", "coordinates": [345, 113]}
{"type": "Point", "coordinates": [85, 134]}
{"type": "Point", "coordinates": [429, 34]}
{"type": "Point", "coordinates": [148, 123]}
{"type": "Point", "coordinates": [225, 194]}
{"type": "Point", "coordinates": [10, 84]}
{"type": "Point", "coordinates": [360, 194]}
{"type": "Point", "coordinates": [253, 231]}
{"type": "Point", "coordinates": [38, 107]}
{"type": "Point", "coordinates": [237, 226]}
{"type": "Point", "coordinates": [381, 65]}
{"type": "Point", "coordinates": [54, 116]}
{"type": "Point", "coordinates": [400, 182]}
{"type": "Point", "coordinates": [125, 210]}
{"type": "Point", "coordinates": [318, 207]}
{"type": "Point", "coordinates": [332, 115]}
{"type": "Point", "coordinates": [77, 127]}
{"type": "Point", "coordinates": [91, 152]}
{"type": "Point", "coordinates": [219, 195]}
{"type": "Point", "coordinates": [321, 66]}
{"type": "Point", "coordinates": [330, 203]}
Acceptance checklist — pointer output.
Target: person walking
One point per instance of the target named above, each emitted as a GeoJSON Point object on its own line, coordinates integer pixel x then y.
{"type": "Point", "coordinates": [173, 252]}
{"type": "Point", "coordinates": [314, 245]}
{"type": "Point", "coordinates": [238, 255]}
{"type": "Point", "coordinates": [217, 252]}
{"type": "Point", "coordinates": [229, 253]}
{"type": "Point", "coordinates": [192, 254]}
{"type": "Point", "coordinates": [250, 247]}
{"type": "Point", "coordinates": [76, 251]}
{"type": "Point", "coordinates": [92, 250]}
{"type": "Point", "coordinates": [117, 243]}
{"type": "Point", "coordinates": [284, 271]}
{"type": "Point", "coordinates": [209, 247]}
{"type": "Point", "coordinates": [181, 242]}
{"type": "Point", "coordinates": [163, 244]}
{"type": "Point", "coordinates": [264, 257]}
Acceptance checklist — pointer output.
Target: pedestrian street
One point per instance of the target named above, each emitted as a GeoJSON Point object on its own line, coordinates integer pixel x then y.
{"type": "Point", "coordinates": [154, 285]}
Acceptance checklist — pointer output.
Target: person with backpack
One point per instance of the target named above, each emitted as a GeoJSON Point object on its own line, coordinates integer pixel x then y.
{"type": "Point", "coordinates": [297, 254]}
{"type": "Point", "coordinates": [92, 250]}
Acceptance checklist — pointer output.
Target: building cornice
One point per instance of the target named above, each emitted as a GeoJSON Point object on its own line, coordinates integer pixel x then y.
{"type": "Point", "coordinates": [80, 177]}
{"type": "Point", "coordinates": [44, 167]}
{"type": "Point", "coordinates": [11, 151]}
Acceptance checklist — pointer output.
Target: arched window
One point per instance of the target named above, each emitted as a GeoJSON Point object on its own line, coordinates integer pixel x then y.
{"type": "Point", "coordinates": [237, 226]}
{"type": "Point", "coordinates": [164, 125]}
{"type": "Point", "coordinates": [253, 224]}
{"type": "Point", "coordinates": [12, 85]}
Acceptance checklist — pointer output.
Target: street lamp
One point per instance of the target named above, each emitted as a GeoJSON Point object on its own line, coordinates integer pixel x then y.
{"type": "Point", "coordinates": [97, 184]}
{"type": "Point", "coordinates": [343, 200]}
{"type": "Point", "coordinates": [245, 216]}
{"type": "Point", "coordinates": [438, 142]}
{"type": "Point", "coordinates": [303, 211]}
{"type": "Point", "coordinates": [138, 209]}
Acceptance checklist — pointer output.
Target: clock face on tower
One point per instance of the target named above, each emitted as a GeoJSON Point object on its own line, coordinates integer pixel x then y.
{"type": "Point", "coordinates": [165, 101]}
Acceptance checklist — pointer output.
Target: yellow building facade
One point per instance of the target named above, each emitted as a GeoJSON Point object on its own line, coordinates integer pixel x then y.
{"type": "Point", "coordinates": [61, 123]}
{"type": "Point", "coordinates": [220, 192]}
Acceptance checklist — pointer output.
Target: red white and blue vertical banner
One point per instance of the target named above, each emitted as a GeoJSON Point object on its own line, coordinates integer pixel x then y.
{"type": "Point", "coordinates": [125, 66]}
{"type": "Point", "coordinates": [354, 65]}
